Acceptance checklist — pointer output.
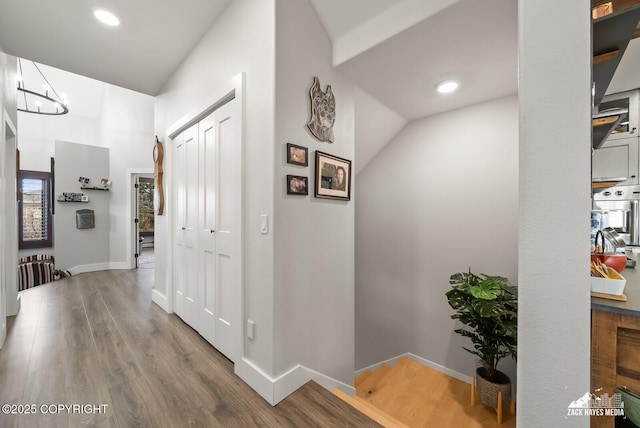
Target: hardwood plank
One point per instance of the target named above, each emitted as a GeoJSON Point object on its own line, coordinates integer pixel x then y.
{"type": "Point", "coordinates": [419, 396]}
{"type": "Point", "coordinates": [110, 345]}
{"type": "Point", "coordinates": [361, 378]}
{"type": "Point", "coordinates": [45, 387]}
{"type": "Point", "coordinates": [370, 410]}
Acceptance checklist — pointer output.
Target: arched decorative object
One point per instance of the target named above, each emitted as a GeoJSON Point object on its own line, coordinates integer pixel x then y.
{"type": "Point", "coordinates": [158, 199]}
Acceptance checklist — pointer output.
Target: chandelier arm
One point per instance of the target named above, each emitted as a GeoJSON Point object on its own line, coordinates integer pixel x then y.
{"type": "Point", "coordinates": [65, 110]}
{"type": "Point", "coordinates": [45, 79]}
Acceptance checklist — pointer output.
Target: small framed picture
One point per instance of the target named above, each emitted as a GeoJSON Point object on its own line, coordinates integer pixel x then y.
{"type": "Point", "coordinates": [297, 185]}
{"type": "Point", "coordinates": [297, 155]}
{"type": "Point", "coordinates": [333, 177]}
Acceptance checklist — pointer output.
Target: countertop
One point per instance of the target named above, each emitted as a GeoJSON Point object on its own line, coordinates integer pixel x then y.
{"type": "Point", "coordinates": [631, 290]}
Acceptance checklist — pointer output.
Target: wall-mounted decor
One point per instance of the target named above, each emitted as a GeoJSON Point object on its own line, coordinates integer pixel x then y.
{"type": "Point", "coordinates": [158, 196]}
{"type": "Point", "coordinates": [333, 177]}
{"type": "Point", "coordinates": [297, 185]}
{"type": "Point", "coordinates": [297, 155]}
{"type": "Point", "coordinates": [85, 219]}
{"type": "Point", "coordinates": [323, 112]}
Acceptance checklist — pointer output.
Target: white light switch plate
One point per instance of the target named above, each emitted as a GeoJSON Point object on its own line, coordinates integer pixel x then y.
{"type": "Point", "coordinates": [264, 224]}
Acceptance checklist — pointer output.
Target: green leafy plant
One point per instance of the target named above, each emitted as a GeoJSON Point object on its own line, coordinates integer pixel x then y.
{"type": "Point", "coordinates": [488, 307]}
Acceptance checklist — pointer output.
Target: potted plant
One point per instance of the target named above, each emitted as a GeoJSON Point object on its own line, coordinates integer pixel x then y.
{"type": "Point", "coordinates": [488, 307]}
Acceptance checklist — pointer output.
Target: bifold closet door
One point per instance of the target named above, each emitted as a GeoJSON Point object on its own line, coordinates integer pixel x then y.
{"type": "Point", "coordinates": [207, 241]}
{"type": "Point", "coordinates": [220, 198]}
{"type": "Point", "coordinates": [186, 214]}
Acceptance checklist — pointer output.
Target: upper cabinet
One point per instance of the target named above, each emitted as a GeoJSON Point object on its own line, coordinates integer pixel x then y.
{"type": "Point", "coordinates": [615, 23]}
{"type": "Point", "coordinates": [627, 102]}
{"type": "Point", "coordinates": [611, 35]}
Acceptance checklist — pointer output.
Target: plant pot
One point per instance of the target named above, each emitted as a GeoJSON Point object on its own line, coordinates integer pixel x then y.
{"type": "Point", "coordinates": [487, 391]}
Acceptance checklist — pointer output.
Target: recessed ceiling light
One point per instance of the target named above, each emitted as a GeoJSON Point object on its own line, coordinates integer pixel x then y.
{"type": "Point", "coordinates": [447, 86]}
{"type": "Point", "coordinates": [106, 17]}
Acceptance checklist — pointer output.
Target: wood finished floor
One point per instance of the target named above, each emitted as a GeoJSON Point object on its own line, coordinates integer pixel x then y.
{"type": "Point", "coordinates": [419, 396]}
{"type": "Point", "coordinates": [96, 338]}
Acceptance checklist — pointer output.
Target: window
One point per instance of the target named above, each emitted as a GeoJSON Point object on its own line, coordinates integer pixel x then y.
{"type": "Point", "coordinates": [35, 225]}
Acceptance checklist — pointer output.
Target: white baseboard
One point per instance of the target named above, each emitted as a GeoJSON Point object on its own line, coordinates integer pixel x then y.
{"type": "Point", "coordinates": [160, 300]}
{"type": "Point", "coordinates": [89, 268]}
{"type": "Point", "coordinates": [417, 359]}
{"type": "Point", "coordinates": [440, 368]}
{"type": "Point", "coordinates": [274, 390]}
{"type": "Point", "coordinates": [120, 266]}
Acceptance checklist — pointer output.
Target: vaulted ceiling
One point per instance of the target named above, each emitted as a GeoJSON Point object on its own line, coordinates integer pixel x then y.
{"type": "Point", "coordinates": [396, 50]}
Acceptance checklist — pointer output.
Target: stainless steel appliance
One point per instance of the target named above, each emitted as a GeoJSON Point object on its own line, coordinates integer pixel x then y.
{"type": "Point", "coordinates": [618, 207]}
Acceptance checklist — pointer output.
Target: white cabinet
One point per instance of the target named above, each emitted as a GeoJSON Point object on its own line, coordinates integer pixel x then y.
{"type": "Point", "coordinates": [629, 100]}
{"type": "Point", "coordinates": [616, 160]}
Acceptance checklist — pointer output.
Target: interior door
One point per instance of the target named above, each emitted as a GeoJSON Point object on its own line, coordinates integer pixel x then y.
{"type": "Point", "coordinates": [220, 229]}
{"type": "Point", "coordinates": [185, 267]}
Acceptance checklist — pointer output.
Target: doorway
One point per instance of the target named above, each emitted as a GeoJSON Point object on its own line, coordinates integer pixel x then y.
{"type": "Point", "coordinates": [144, 221]}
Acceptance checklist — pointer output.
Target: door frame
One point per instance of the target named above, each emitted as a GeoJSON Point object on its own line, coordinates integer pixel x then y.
{"type": "Point", "coordinates": [132, 173]}
{"type": "Point", "coordinates": [133, 200]}
{"type": "Point", "coordinates": [220, 96]}
{"type": "Point", "coordinates": [9, 297]}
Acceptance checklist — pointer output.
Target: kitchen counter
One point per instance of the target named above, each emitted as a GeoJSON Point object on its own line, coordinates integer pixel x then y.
{"type": "Point", "coordinates": [631, 290]}
{"type": "Point", "coordinates": [615, 335]}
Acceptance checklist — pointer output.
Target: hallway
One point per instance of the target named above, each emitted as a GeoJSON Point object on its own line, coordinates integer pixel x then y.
{"type": "Point", "coordinates": [96, 339]}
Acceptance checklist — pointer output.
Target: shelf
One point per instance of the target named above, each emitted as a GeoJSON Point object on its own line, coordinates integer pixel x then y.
{"type": "Point", "coordinates": [604, 123]}
{"type": "Point", "coordinates": [611, 35]}
{"type": "Point", "coordinates": [75, 202]}
{"type": "Point", "coordinates": [94, 188]}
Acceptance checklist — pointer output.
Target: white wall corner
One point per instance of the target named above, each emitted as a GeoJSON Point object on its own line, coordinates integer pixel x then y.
{"type": "Point", "coordinates": [274, 390]}
{"type": "Point", "coordinates": [161, 300]}
{"type": "Point", "coordinates": [392, 362]}
{"type": "Point", "coordinates": [89, 268]}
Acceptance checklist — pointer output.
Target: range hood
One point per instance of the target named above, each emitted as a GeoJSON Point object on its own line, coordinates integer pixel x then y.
{"type": "Point", "coordinates": [605, 122]}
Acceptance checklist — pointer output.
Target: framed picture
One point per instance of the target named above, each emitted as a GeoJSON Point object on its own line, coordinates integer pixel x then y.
{"type": "Point", "coordinates": [333, 177]}
{"type": "Point", "coordinates": [297, 155]}
{"type": "Point", "coordinates": [297, 185]}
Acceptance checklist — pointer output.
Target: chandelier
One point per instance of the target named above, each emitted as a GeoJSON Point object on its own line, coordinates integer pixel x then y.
{"type": "Point", "coordinates": [37, 102]}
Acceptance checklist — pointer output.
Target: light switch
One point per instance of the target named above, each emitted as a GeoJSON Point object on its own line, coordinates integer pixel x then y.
{"type": "Point", "coordinates": [264, 224]}
{"type": "Point", "coordinates": [251, 326]}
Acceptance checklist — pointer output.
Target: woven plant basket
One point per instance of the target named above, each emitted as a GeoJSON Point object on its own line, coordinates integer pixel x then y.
{"type": "Point", "coordinates": [487, 391]}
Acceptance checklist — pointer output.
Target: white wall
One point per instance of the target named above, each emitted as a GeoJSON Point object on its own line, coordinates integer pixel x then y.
{"type": "Point", "coordinates": [441, 197]}
{"type": "Point", "coordinates": [241, 40]}
{"type": "Point", "coordinates": [553, 273]}
{"type": "Point", "coordinates": [81, 250]}
{"type": "Point", "coordinates": [8, 225]}
{"type": "Point", "coordinates": [314, 238]}
{"type": "Point", "coordinates": [376, 125]}
{"type": "Point", "coordinates": [127, 128]}
{"type": "Point", "coordinates": [38, 133]}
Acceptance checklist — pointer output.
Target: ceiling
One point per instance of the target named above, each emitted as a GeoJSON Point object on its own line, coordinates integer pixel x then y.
{"type": "Point", "coordinates": [403, 49]}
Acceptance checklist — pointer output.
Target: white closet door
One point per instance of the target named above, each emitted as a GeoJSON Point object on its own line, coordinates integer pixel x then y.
{"type": "Point", "coordinates": [185, 267]}
{"type": "Point", "coordinates": [221, 154]}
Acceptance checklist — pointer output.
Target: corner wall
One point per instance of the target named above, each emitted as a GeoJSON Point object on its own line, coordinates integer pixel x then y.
{"type": "Point", "coordinates": [8, 223]}
{"type": "Point", "coordinates": [314, 238]}
{"type": "Point", "coordinates": [441, 197]}
{"type": "Point", "coordinates": [555, 188]}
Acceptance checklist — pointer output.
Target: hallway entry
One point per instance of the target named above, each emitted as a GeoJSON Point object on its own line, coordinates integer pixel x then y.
{"type": "Point", "coordinates": [207, 234]}
{"type": "Point", "coordinates": [144, 221]}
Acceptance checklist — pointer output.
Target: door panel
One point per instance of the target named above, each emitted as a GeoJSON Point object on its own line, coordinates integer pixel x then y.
{"type": "Point", "coordinates": [208, 278]}
{"type": "Point", "coordinates": [208, 157]}
{"type": "Point", "coordinates": [229, 275]}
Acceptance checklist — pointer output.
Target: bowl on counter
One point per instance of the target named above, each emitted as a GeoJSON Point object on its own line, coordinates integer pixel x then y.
{"type": "Point", "coordinates": [616, 261]}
